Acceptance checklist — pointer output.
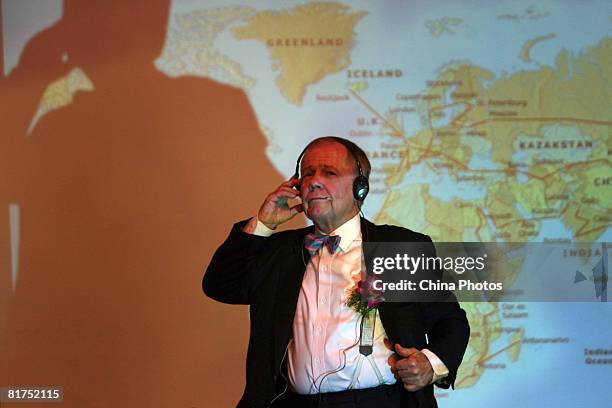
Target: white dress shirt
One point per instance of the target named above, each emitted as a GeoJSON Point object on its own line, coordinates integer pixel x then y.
{"type": "Point", "coordinates": [323, 355]}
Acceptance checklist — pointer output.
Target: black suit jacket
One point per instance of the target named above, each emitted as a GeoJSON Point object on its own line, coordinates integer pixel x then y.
{"type": "Point", "coordinates": [266, 273]}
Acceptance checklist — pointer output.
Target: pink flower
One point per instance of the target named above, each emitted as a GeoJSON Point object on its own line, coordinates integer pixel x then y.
{"type": "Point", "coordinates": [363, 297]}
{"type": "Point", "coordinates": [373, 296]}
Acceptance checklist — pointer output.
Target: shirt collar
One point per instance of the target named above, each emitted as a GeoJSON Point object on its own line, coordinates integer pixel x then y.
{"type": "Point", "coordinates": [348, 232]}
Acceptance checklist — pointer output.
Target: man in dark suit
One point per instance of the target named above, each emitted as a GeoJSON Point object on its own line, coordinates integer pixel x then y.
{"type": "Point", "coordinates": [307, 347]}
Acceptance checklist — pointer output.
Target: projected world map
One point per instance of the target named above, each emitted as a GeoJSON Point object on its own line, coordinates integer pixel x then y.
{"type": "Point", "coordinates": [483, 121]}
{"type": "Point", "coordinates": [482, 124]}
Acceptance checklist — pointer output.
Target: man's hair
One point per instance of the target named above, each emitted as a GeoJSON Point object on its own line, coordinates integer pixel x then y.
{"type": "Point", "coordinates": [355, 152]}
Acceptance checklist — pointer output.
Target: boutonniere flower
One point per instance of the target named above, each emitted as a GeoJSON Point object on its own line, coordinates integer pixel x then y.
{"type": "Point", "coordinates": [363, 298]}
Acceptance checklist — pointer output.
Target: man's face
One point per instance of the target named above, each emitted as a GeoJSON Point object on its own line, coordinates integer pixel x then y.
{"type": "Point", "coordinates": [328, 171]}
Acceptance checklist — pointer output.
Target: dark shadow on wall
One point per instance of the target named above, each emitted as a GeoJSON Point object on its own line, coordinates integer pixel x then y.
{"type": "Point", "coordinates": [124, 195]}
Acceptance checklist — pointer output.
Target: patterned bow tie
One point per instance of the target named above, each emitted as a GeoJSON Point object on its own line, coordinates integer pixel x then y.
{"type": "Point", "coordinates": [314, 242]}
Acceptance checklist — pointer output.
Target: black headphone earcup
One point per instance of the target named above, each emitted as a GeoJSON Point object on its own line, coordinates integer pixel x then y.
{"type": "Point", "coordinates": [361, 187]}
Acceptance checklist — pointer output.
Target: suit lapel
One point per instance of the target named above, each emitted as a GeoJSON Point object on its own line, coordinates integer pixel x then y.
{"type": "Point", "coordinates": [370, 234]}
{"type": "Point", "coordinates": [294, 259]}
{"type": "Point", "coordinates": [402, 321]}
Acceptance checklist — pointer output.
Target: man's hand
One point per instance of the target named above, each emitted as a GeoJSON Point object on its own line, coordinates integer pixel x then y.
{"type": "Point", "coordinates": [275, 209]}
{"type": "Point", "coordinates": [410, 366]}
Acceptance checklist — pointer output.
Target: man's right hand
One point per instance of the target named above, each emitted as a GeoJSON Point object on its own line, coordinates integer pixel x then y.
{"type": "Point", "coordinates": [275, 209]}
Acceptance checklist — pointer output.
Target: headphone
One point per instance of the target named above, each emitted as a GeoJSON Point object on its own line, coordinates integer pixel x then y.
{"type": "Point", "coordinates": [361, 185]}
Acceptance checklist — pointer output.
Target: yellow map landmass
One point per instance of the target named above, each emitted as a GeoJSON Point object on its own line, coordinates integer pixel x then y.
{"type": "Point", "coordinates": [60, 93]}
{"type": "Point", "coordinates": [358, 86]}
{"type": "Point", "coordinates": [443, 25]}
{"type": "Point", "coordinates": [526, 49]}
{"type": "Point", "coordinates": [549, 107]}
{"type": "Point", "coordinates": [546, 133]}
{"type": "Point", "coordinates": [484, 330]}
{"type": "Point", "coordinates": [309, 42]}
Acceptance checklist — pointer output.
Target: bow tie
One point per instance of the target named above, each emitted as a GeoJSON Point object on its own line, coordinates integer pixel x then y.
{"type": "Point", "coordinates": [314, 242]}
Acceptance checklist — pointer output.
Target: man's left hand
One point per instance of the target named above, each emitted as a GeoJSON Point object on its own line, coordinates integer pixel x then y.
{"type": "Point", "coordinates": [411, 367]}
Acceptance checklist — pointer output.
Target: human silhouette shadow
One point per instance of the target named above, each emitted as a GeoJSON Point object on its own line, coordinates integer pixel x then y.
{"type": "Point", "coordinates": [124, 195]}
